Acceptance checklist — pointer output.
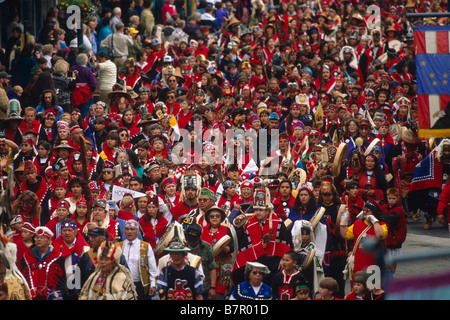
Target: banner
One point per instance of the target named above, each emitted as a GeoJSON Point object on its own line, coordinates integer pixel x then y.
{"type": "Point", "coordinates": [119, 192]}
{"type": "Point", "coordinates": [432, 56]}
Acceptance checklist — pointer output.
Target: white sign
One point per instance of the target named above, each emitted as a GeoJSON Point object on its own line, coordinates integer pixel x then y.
{"type": "Point", "coordinates": [119, 192]}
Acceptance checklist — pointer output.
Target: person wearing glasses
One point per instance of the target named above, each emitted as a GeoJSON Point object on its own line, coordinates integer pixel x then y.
{"type": "Point", "coordinates": [173, 107]}
{"type": "Point", "coordinates": [253, 288]}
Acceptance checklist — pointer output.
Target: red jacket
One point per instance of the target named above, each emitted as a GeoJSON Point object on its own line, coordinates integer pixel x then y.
{"type": "Point", "coordinates": [42, 275]}
{"type": "Point", "coordinates": [444, 201]}
{"type": "Point", "coordinates": [397, 228]}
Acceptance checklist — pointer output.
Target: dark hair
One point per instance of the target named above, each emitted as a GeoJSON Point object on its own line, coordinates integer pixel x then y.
{"type": "Point", "coordinates": [27, 50]}
{"type": "Point", "coordinates": [54, 97]}
{"type": "Point", "coordinates": [380, 178]}
{"type": "Point", "coordinates": [84, 186]}
{"type": "Point", "coordinates": [114, 136]}
{"type": "Point", "coordinates": [45, 144]}
{"type": "Point", "coordinates": [106, 21]}
{"type": "Point", "coordinates": [136, 178]}
{"type": "Point", "coordinates": [102, 55]}
{"type": "Point", "coordinates": [311, 206]}
{"type": "Point", "coordinates": [294, 255]}
{"type": "Point", "coordinates": [133, 158]}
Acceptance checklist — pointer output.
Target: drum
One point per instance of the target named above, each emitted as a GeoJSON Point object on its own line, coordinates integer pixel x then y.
{"type": "Point", "coordinates": [288, 223]}
{"type": "Point", "coordinates": [195, 261]}
{"type": "Point", "coordinates": [225, 240]}
{"type": "Point", "coordinates": [165, 239]}
{"type": "Point", "coordinates": [395, 130]}
{"type": "Point", "coordinates": [317, 216]}
{"type": "Point", "coordinates": [341, 155]}
{"type": "Point", "coordinates": [305, 258]}
{"type": "Point", "coordinates": [375, 142]}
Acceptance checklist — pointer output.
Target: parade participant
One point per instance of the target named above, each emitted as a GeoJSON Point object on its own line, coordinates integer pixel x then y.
{"type": "Point", "coordinates": [216, 234]}
{"type": "Point", "coordinates": [268, 246]}
{"type": "Point", "coordinates": [168, 191]}
{"type": "Point", "coordinates": [359, 289]}
{"type": "Point", "coordinates": [27, 151]}
{"type": "Point", "coordinates": [78, 188]}
{"type": "Point", "coordinates": [253, 288]}
{"type": "Point", "coordinates": [27, 205]}
{"type": "Point", "coordinates": [304, 205]}
{"type": "Point", "coordinates": [107, 178]}
{"type": "Point", "coordinates": [72, 245]}
{"type": "Point", "coordinates": [44, 157]}
{"type": "Point", "coordinates": [206, 200]}
{"type": "Point", "coordinates": [39, 186]}
{"type": "Point", "coordinates": [285, 281]}
{"type": "Point", "coordinates": [364, 130]}
{"type": "Point", "coordinates": [328, 287]}
{"type": "Point", "coordinates": [372, 182]}
{"type": "Point", "coordinates": [153, 223]}
{"type": "Point", "coordinates": [246, 195]}
{"type": "Point", "coordinates": [25, 241]}
{"type": "Point", "coordinates": [112, 141]}
{"type": "Point", "coordinates": [41, 280]}
{"type": "Point", "coordinates": [368, 228]}
{"type": "Point", "coordinates": [404, 157]}
{"type": "Point", "coordinates": [285, 199]}
{"type": "Point", "coordinates": [335, 250]}
{"type": "Point", "coordinates": [62, 212]}
{"type": "Point", "coordinates": [110, 280]}
{"type": "Point", "coordinates": [229, 196]}
{"type": "Point", "coordinates": [152, 176]}
{"type": "Point", "coordinates": [100, 218]}
{"type": "Point", "coordinates": [188, 199]}
{"type": "Point", "coordinates": [352, 200]}
{"type": "Point", "coordinates": [444, 200]}
{"type": "Point", "coordinates": [203, 249]}
{"type": "Point", "coordinates": [140, 260]}
{"type": "Point", "coordinates": [178, 280]}
{"type": "Point", "coordinates": [13, 283]}
{"type": "Point", "coordinates": [16, 225]}
{"type": "Point", "coordinates": [396, 220]}
{"type": "Point", "coordinates": [82, 213]}
{"type": "Point", "coordinates": [59, 191]}
{"type": "Point", "coordinates": [89, 260]}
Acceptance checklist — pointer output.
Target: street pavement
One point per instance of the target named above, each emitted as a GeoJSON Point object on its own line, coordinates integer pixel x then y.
{"type": "Point", "coordinates": [420, 241]}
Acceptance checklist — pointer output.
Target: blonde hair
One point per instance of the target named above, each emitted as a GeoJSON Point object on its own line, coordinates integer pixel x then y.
{"type": "Point", "coordinates": [61, 67]}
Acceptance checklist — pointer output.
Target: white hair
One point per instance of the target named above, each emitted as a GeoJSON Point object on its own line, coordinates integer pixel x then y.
{"type": "Point", "coordinates": [82, 59]}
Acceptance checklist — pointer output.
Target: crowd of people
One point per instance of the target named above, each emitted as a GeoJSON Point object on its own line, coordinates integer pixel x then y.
{"type": "Point", "coordinates": [248, 150]}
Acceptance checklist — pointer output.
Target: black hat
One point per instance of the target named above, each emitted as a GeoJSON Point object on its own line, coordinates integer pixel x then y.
{"type": "Point", "coordinates": [98, 232]}
{"type": "Point", "coordinates": [193, 232]}
{"type": "Point", "coordinates": [181, 91]}
{"type": "Point", "coordinates": [4, 75]}
{"type": "Point", "coordinates": [351, 185]}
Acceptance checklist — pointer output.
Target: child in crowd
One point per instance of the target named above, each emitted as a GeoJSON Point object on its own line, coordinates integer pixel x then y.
{"type": "Point", "coordinates": [327, 288]}
{"type": "Point", "coordinates": [360, 289]}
